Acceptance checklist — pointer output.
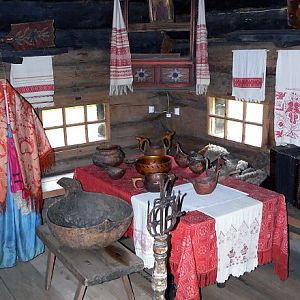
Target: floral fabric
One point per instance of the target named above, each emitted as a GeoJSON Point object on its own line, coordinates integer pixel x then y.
{"type": "Point", "coordinates": [32, 146]}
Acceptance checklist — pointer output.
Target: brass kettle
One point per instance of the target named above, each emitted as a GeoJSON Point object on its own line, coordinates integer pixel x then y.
{"type": "Point", "coordinates": [148, 148]}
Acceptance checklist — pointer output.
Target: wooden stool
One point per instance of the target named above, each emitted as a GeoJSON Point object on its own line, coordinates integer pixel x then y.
{"type": "Point", "coordinates": [93, 266]}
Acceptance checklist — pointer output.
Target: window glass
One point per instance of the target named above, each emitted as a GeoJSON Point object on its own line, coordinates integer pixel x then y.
{"type": "Point", "coordinates": [52, 117]}
{"type": "Point", "coordinates": [235, 109]}
{"type": "Point", "coordinates": [235, 131]}
{"type": "Point", "coordinates": [96, 132]}
{"type": "Point", "coordinates": [95, 112]}
{"type": "Point", "coordinates": [56, 137]}
{"type": "Point", "coordinates": [81, 124]}
{"type": "Point", "coordinates": [74, 115]}
{"type": "Point", "coordinates": [76, 135]}
{"type": "Point", "coordinates": [218, 106]}
{"type": "Point", "coordinates": [253, 135]}
{"type": "Point", "coordinates": [233, 120]}
{"type": "Point", "coordinates": [254, 113]}
{"type": "Point", "coordinates": [217, 127]}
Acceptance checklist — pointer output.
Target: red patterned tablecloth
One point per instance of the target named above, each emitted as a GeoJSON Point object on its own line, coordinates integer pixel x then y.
{"type": "Point", "coordinates": [193, 255]}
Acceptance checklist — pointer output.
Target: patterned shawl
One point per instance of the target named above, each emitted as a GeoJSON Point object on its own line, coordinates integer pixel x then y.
{"type": "Point", "coordinates": [33, 149]}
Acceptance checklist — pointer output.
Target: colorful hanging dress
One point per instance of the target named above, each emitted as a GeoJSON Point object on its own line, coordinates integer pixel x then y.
{"type": "Point", "coordinates": [24, 153]}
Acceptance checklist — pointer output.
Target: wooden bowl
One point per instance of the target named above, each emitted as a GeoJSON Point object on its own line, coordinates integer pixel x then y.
{"type": "Point", "coordinates": [150, 164]}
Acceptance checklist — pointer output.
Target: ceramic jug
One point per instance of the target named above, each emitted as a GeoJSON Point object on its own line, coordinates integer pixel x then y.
{"type": "Point", "coordinates": [149, 148]}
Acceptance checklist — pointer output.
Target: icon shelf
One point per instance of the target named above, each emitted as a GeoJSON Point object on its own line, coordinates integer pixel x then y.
{"type": "Point", "coordinates": [166, 70]}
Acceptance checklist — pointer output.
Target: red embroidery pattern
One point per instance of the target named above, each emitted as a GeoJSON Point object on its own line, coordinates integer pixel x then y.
{"type": "Point", "coordinates": [247, 82]}
{"type": "Point", "coordinates": [202, 68]}
{"type": "Point", "coordinates": [273, 239]}
{"type": "Point", "coordinates": [120, 58]}
{"type": "Point", "coordinates": [35, 88]}
{"type": "Point", "coordinates": [287, 117]}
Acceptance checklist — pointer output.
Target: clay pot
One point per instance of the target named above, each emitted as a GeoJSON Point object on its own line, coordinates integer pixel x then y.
{"type": "Point", "coordinates": [181, 158]}
{"type": "Point", "coordinates": [198, 165]}
{"type": "Point", "coordinates": [108, 154]}
{"type": "Point", "coordinates": [206, 184]}
{"type": "Point", "coordinates": [149, 164]}
{"type": "Point", "coordinates": [151, 182]}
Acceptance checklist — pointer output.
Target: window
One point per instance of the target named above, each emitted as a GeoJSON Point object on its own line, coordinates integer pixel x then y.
{"type": "Point", "coordinates": [235, 120]}
{"type": "Point", "coordinates": [75, 125]}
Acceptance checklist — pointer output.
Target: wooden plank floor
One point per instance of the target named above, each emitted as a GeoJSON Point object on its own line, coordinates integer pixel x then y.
{"type": "Point", "coordinates": [261, 284]}
{"type": "Point", "coordinates": [26, 282]}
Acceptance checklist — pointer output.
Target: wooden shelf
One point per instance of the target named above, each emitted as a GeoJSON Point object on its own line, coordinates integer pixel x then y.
{"type": "Point", "coordinates": [166, 70]}
{"type": "Point", "coordinates": [159, 26]}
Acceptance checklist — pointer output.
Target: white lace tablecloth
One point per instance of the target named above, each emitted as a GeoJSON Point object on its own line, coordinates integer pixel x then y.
{"type": "Point", "coordinates": [220, 197]}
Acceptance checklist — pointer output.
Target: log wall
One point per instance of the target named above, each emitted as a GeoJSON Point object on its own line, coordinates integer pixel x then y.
{"type": "Point", "coordinates": [192, 122]}
{"type": "Point", "coordinates": [81, 74]}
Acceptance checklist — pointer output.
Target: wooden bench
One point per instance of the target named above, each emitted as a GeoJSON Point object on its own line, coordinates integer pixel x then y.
{"type": "Point", "coordinates": [93, 266]}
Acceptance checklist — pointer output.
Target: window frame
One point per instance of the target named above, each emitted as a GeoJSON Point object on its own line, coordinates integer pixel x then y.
{"type": "Point", "coordinates": [264, 124]}
{"type": "Point", "coordinates": [83, 149]}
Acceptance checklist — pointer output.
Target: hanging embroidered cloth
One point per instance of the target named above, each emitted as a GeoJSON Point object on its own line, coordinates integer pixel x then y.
{"type": "Point", "coordinates": [33, 150]}
{"type": "Point", "coordinates": [249, 75]}
{"type": "Point", "coordinates": [120, 58]}
{"type": "Point", "coordinates": [202, 68]}
{"type": "Point", "coordinates": [287, 98]}
{"type": "Point", "coordinates": [34, 80]}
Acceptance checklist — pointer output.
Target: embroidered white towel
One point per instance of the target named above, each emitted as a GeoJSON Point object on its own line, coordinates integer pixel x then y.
{"type": "Point", "coordinates": [238, 223]}
{"type": "Point", "coordinates": [34, 80]}
{"type": "Point", "coordinates": [143, 241]}
{"type": "Point", "coordinates": [287, 98]}
{"type": "Point", "coordinates": [120, 58]}
{"type": "Point", "coordinates": [202, 67]}
{"type": "Point", "coordinates": [249, 75]}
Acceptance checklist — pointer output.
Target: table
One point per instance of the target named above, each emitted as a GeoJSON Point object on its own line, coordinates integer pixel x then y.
{"type": "Point", "coordinates": [91, 266]}
{"type": "Point", "coordinates": [193, 257]}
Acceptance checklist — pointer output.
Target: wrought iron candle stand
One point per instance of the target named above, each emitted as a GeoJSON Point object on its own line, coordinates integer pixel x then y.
{"type": "Point", "coordinates": [161, 219]}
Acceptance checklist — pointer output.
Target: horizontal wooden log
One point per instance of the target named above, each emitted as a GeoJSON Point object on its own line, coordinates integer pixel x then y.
{"type": "Point", "coordinates": [140, 42]}
{"type": "Point", "coordinates": [220, 23]}
{"type": "Point", "coordinates": [16, 57]}
{"type": "Point", "coordinates": [229, 5]}
{"type": "Point", "coordinates": [79, 56]}
{"type": "Point", "coordinates": [220, 54]}
{"type": "Point", "coordinates": [281, 38]}
{"type": "Point", "coordinates": [66, 14]}
{"type": "Point", "coordinates": [98, 14]}
{"type": "Point", "coordinates": [126, 135]}
{"type": "Point", "coordinates": [78, 95]}
{"type": "Point", "coordinates": [86, 75]}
